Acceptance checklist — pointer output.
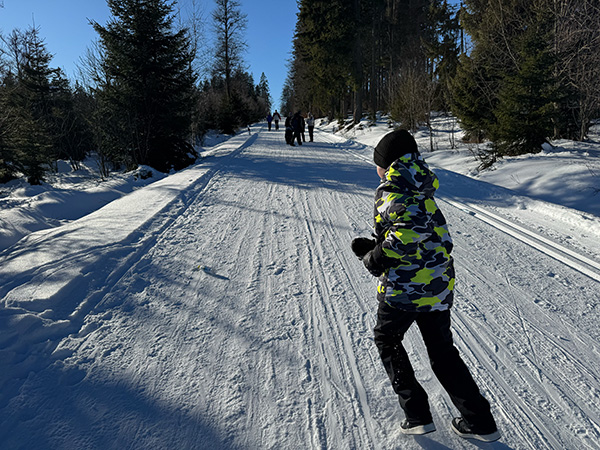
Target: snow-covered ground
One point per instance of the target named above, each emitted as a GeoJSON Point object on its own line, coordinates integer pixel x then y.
{"type": "Point", "coordinates": [222, 308]}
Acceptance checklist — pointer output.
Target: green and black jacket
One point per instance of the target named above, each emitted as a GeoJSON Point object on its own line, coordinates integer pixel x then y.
{"type": "Point", "coordinates": [414, 244]}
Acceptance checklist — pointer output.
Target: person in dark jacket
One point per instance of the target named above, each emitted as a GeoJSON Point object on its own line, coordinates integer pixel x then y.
{"type": "Point", "coordinates": [411, 256]}
{"type": "Point", "coordinates": [269, 120]}
{"type": "Point", "coordinates": [310, 123]}
{"type": "Point", "coordinates": [302, 128]}
{"type": "Point", "coordinates": [297, 126]}
{"type": "Point", "coordinates": [276, 119]}
{"type": "Point", "coordinates": [289, 131]}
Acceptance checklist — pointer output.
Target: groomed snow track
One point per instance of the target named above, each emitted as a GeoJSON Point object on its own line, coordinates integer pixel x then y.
{"type": "Point", "coordinates": [236, 317]}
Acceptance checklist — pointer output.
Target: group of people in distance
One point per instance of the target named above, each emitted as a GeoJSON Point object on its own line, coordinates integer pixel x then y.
{"type": "Point", "coordinates": [295, 126]}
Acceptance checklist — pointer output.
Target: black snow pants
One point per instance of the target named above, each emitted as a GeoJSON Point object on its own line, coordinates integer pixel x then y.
{"type": "Point", "coordinates": [446, 363]}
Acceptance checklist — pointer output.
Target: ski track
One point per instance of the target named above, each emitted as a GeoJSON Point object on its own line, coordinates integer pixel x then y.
{"type": "Point", "coordinates": [238, 318]}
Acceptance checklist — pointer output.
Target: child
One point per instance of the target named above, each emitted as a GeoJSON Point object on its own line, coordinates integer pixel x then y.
{"type": "Point", "coordinates": [411, 257]}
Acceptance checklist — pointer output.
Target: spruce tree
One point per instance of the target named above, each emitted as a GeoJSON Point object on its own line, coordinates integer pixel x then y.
{"type": "Point", "coordinates": [506, 89]}
{"type": "Point", "coordinates": [28, 106]}
{"type": "Point", "coordinates": [264, 95]}
{"type": "Point", "coordinates": [366, 53]}
{"type": "Point", "coordinates": [324, 39]}
{"type": "Point", "coordinates": [146, 92]}
{"type": "Point", "coordinates": [73, 138]}
{"type": "Point", "coordinates": [526, 99]}
{"type": "Point", "coordinates": [7, 158]}
{"type": "Point", "coordinates": [473, 98]}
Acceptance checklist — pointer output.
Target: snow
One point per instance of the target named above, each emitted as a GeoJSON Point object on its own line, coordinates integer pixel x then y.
{"type": "Point", "coordinates": [221, 306]}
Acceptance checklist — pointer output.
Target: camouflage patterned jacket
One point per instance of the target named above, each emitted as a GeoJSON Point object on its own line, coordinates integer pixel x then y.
{"type": "Point", "coordinates": [414, 244]}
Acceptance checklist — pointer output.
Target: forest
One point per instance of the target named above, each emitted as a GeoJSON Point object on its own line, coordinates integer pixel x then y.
{"type": "Point", "coordinates": [515, 73]}
{"type": "Point", "coordinates": [140, 99]}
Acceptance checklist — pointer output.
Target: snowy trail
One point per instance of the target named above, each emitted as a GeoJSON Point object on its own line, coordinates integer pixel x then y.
{"type": "Point", "coordinates": [232, 314]}
{"type": "Point", "coordinates": [573, 259]}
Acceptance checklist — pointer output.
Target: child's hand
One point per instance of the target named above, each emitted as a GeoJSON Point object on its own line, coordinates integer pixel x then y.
{"type": "Point", "coordinates": [372, 265]}
{"type": "Point", "coordinates": [361, 246]}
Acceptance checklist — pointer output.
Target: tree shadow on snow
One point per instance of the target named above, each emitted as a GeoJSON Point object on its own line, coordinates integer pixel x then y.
{"type": "Point", "coordinates": [308, 166]}
{"type": "Point", "coordinates": [58, 408]}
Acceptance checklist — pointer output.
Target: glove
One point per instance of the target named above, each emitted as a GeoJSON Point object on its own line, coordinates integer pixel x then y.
{"type": "Point", "coordinates": [362, 245]}
{"type": "Point", "coordinates": [370, 262]}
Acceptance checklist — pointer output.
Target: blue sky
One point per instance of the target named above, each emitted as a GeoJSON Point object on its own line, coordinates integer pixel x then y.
{"type": "Point", "coordinates": [64, 26]}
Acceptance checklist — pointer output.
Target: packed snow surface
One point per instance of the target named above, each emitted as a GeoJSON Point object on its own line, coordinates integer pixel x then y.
{"type": "Point", "coordinates": [221, 307]}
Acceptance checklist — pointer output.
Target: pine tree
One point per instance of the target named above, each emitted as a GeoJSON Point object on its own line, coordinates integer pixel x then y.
{"type": "Point", "coordinates": [28, 104]}
{"type": "Point", "coordinates": [525, 109]}
{"type": "Point", "coordinates": [506, 89]}
{"type": "Point", "coordinates": [264, 95]}
{"type": "Point", "coordinates": [147, 86]}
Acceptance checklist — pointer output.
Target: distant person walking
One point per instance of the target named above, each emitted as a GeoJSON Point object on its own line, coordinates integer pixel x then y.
{"type": "Point", "coordinates": [297, 121]}
{"type": "Point", "coordinates": [310, 123]}
{"type": "Point", "coordinates": [289, 131]}
{"type": "Point", "coordinates": [276, 119]}
{"type": "Point", "coordinates": [269, 120]}
{"type": "Point", "coordinates": [302, 127]}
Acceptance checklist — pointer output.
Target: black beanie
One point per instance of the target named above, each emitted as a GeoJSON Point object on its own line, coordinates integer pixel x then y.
{"type": "Point", "coordinates": [392, 146]}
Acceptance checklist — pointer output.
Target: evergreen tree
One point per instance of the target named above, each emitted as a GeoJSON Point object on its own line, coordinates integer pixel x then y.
{"type": "Point", "coordinates": [526, 99]}
{"type": "Point", "coordinates": [368, 53]}
{"type": "Point", "coordinates": [442, 48]}
{"type": "Point", "coordinates": [287, 97]}
{"type": "Point", "coordinates": [473, 98]}
{"type": "Point", "coordinates": [217, 110]}
{"type": "Point", "coordinates": [7, 171]}
{"type": "Point", "coordinates": [264, 95]}
{"type": "Point", "coordinates": [230, 99]}
{"type": "Point", "coordinates": [28, 106]}
{"type": "Point", "coordinates": [506, 89]}
{"type": "Point", "coordinates": [146, 86]}
{"type": "Point", "coordinates": [324, 39]}
{"type": "Point", "coordinates": [73, 135]}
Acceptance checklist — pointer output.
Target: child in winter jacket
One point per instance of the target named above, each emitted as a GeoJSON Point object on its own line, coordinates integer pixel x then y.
{"type": "Point", "coordinates": [411, 256]}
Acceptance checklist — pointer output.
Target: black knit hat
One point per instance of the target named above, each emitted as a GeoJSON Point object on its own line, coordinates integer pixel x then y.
{"type": "Point", "coordinates": [392, 146]}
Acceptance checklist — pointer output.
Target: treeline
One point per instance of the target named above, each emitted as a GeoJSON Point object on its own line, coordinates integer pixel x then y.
{"type": "Point", "coordinates": [41, 116]}
{"type": "Point", "coordinates": [369, 55]}
{"type": "Point", "coordinates": [140, 98]}
{"type": "Point", "coordinates": [516, 72]}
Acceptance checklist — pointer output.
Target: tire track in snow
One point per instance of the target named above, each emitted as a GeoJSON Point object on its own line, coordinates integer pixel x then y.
{"type": "Point", "coordinates": [339, 378]}
{"type": "Point", "coordinates": [547, 357]}
{"type": "Point", "coordinates": [364, 410]}
{"type": "Point", "coordinates": [544, 245]}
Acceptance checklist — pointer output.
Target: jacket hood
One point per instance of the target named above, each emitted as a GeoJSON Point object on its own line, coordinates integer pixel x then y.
{"type": "Point", "coordinates": [411, 174]}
